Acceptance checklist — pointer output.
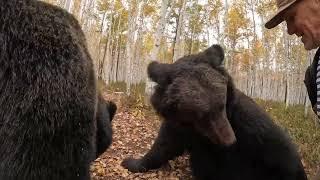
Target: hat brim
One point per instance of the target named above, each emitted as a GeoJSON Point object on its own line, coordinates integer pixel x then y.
{"type": "Point", "coordinates": [277, 18]}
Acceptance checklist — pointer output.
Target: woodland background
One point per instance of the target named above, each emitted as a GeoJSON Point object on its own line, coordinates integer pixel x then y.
{"type": "Point", "coordinates": [124, 36]}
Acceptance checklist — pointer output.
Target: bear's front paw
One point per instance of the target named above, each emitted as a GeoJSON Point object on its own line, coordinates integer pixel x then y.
{"type": "Point", "coordinates": [133, 165]}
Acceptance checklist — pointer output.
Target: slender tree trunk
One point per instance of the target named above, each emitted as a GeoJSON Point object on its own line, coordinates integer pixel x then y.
{"type": "Point", "coordinates": [68, 5]}
{"type": "Point", "coordinates": [158, 36]}
{"type": "Point", "coordinates": [106, 59]}
{"type": "Point", "coordinates": [118, 49]}
{"type": "Point", "coordinates": [100, 61]}
{"type": "Point", "coordinates": [76, 7]}
{"type": "Point", "coordinates": [178, 44]}
{"type": "Point", "coordinates": [82, 9]}
{"type": "Point", "coordinates": [252, 3]}
{"type": "Point", "coordinates": [287, 59]}
{"type": "Point", "coordinates": [130, 43]}
{"type": "Point", "coordinates": [192, 38]}
{"type": "Point", "coordinates": [118, 58]}
{"type": "Point", "coordinates": [225, 20]}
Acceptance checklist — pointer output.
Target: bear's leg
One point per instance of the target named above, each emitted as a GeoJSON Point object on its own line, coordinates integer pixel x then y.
{"type": "Point", "coordinates": [169, 144]}
{"type": "Point", "coordinates": [106, 111]}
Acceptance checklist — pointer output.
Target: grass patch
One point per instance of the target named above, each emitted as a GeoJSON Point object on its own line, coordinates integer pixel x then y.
{"type": "Point", "coordinates": [303, 130]}
{"type": "Point", "coordinates": [117, 86]}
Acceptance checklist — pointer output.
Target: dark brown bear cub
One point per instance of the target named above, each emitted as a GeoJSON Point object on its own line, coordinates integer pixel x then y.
{"type": "Point", "coordinates": [228, 136]}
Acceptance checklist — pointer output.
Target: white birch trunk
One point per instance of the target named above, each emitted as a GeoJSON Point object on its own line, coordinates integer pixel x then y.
{"type": "Point", "coordinates": [68, 5]}
{"type": "Point", "coordinates": [158, 36]}
{"type": "Point", "coordinates": [179, 33]}
{"type": "Point", "coordinates": [130, 44]}
{"type": "Point", "coordinates": [138, 45]}
{"type": "Point", "coordinates": [287, 56]}
{"type": "Point", "coordinates": [118, 50]}
{"type": "Point", "coordinates": [82, 9]}
{"type": "Point", "coordinates": [225, 19]}
{"type": "Point", "coordinates": [106, 60]}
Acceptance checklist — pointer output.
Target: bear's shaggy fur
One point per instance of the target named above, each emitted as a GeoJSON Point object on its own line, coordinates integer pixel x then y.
{"type": "Point", "coordinates": [48, 99]}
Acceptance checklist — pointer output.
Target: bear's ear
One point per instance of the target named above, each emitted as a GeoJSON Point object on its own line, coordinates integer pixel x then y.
{"type": "Point", "coordinates": [159, 72]}
{"type": "Point", "coordinates": [215, 55]}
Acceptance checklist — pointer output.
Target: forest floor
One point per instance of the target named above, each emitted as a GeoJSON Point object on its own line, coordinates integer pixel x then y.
{"type": "Point", "coordinates": [135, 127]}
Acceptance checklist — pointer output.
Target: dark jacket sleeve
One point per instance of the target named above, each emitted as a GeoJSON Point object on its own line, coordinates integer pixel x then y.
{"type": "Point", "coordinates": [310, 85]}
{"type": "Point", "coordinates": [310, 80]}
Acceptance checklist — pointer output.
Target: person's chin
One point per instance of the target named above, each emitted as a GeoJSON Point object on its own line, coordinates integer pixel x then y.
{"type": "Point", "coordinates": [308, 48]}
{"type": "Point", "coordinates": [309, 45]}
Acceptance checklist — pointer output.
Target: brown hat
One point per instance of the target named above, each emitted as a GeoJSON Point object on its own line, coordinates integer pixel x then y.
{"type": "Point", "coordinates": [277, 18]}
